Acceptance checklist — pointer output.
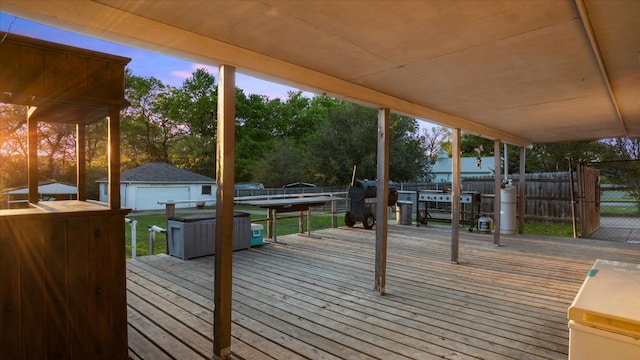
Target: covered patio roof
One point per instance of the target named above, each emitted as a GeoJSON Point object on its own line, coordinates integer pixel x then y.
{"type": "Point", "coordinates": [517, 71]}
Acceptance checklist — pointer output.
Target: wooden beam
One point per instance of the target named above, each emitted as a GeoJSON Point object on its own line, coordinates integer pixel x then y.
{"type": "Point", "coordinates": [382, 195]}
{"type": "Point", "coordinates": [224, 213]}
{"type": "Point", "coordinates": [81, 162]}
{"type": "Point", "coordinates": [521, 192]}
{"type": "Point", "coordinates": [32, 159]}
{"type": "Point", "coordinates": [455, 195]}
{"type": "Point", "coordinates": [114, 157]}
{"type": "Point", "coordinates": [497, 163]}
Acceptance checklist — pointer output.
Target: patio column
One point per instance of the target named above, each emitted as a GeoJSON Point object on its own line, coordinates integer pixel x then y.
{"type": "Point", "coordinates": [32, 159]}
{"type": "Point", "coordinates": [497, 186]}
{"type": "Point", "coordinates": [521, 189]}
{"type": "Point", "coordinates": [224, 213]}
{"type": "Point", "coordinates": [382, 194]}
{"type": "Point", "coordinates": [114, 157]}
{"type": "Point", "coordinates": [455, 195]}
{"type": "Point", "coordinates": [81, 162]}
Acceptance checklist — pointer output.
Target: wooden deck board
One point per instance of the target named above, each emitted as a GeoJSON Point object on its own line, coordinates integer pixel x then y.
{"type": "Point", "coordinates": [309, 298]}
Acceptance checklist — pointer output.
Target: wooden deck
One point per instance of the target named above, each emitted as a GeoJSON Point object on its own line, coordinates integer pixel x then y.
{"type": "Point", "coordinates": [312, 298]}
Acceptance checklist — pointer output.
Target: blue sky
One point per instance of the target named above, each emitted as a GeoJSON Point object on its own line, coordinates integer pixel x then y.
{"type": "Point", "coordinates": [144, 63]}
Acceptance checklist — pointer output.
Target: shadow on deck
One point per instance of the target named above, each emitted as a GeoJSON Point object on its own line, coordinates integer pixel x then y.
{"type": "Point", "coordinates": [309, 298]}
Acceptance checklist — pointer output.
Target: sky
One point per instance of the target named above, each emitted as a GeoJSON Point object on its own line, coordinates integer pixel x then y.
{"type": "Point", "coordinates": [170, 70]}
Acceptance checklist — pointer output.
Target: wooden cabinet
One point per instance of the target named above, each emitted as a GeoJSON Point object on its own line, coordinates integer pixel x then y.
{"type": "Point", "coordinates": [62, 282]}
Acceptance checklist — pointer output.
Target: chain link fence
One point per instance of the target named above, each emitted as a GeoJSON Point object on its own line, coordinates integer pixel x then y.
{"type": "Point", "coordinates": [619, 201]}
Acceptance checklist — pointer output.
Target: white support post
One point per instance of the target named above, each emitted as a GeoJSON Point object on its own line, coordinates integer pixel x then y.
{"type": "Point", "coordinates": [455, 196]}
{"type": "Point", "coordinates": [497, 199]}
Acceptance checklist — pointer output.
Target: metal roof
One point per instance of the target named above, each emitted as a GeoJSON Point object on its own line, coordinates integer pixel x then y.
{"type": "Point", "coordinates": [52, 188]}
{"type": "Point", "coordinates": [519, 71]}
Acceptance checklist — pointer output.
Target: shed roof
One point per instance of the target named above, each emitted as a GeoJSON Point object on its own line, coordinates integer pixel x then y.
{"type": "Point", "coordinates": [158, 172]}
{"type": "Point", "coordinates": [49, 188]}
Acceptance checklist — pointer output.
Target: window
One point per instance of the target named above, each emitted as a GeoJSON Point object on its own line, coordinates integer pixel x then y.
{"type": "Point", "coordinates": [206, 189]}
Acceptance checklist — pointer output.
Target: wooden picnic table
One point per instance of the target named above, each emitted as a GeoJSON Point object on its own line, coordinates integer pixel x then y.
{"type": "Point", "coordinates": [287, 205]}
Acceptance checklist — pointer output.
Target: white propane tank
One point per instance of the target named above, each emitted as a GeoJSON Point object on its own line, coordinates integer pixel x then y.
{"type": "Point", "coordinates": [485, 224]}
{"type": "Point", "coordinates": [508, 204]}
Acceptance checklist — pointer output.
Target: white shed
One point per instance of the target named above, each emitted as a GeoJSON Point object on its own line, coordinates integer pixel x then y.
{"type": "Point", "coordinates": [143, 187]}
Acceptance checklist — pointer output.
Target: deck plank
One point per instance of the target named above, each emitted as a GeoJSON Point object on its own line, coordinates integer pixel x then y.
{"type": "Point", "coordinates": [312, 298]}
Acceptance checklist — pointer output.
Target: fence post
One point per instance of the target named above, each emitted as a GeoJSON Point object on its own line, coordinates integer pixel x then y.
{"type": "Point", "coordinates": [169, 212]}
{"type": "Point", "coordinates": [134, 242]}
{"type": "Point", "coordinates": [334, 214]}
{"type": "Point", "coordinates": [152, 241]}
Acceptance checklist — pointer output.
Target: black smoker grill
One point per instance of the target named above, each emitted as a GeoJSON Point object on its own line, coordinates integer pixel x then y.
{"type": "Point", "coordinates": [363, 203]}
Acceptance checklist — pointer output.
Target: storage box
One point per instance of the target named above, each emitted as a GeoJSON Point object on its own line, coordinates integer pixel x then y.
{"type": "Point", "coordinates": [193, 236]}
{"type": "Point", "coordinates": [604, 319]}
{"type": "Point", "coordinates": [257, 232]}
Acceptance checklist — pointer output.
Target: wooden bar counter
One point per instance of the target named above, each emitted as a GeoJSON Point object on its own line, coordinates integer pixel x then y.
{"type": "Point", "coordinates": [62, 282]}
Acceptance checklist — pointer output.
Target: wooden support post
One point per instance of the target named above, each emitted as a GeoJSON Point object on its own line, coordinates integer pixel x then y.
{"type": "Point", "coordinates": [32, 159]}
{"type": "Point", "coordinates": [224, 213]}
{"type": "Point", "coordinates": [334, 214]}
{"type": "Point", "coordinates": [309, 221]}
{"type": "Point", "coordinates": [114, 157]}
{"type": "Point", "coordinates": [169, 213]}
{"type": "Point", "coordinates": [269, 224]}
{"type": "Point", "coordinates": [497, 186]}
{"type": "Point", "coordinates": [152, 241]}
{"type": "Point", "coordinates": [382, 195]}
{"type": "Point", "coordinates": [81, 162]}
{"type": "Point", "coordinates": [455, 196]}
{"type": "Point", "coordinates": [301, 222]}
{"type": "Point", "coordinates": [274, 224]}
{"type": "Point", "coordinates": [521, 191]}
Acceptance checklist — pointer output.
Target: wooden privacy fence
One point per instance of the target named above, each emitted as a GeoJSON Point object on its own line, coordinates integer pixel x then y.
{"type": "Point", "coordinates": [547, 195]}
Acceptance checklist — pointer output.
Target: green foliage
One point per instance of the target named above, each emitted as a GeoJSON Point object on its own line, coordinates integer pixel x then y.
{"type": "Point", "coordinates": [349, 137]}
{"type": "Point", "coordinates": [555, 157]}
{"type": "Point", "coordinates": [194, 107]}
{"type": "Point", "coordinates": [281, 165]}
{"type": "Point", "coordinates": [148, 130]}
{"type": "Point", "coordinates": [409, 160]}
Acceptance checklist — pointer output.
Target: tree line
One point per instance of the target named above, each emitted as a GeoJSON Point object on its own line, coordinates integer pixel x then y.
{"type": "Point", "coordinates": [315, 139]}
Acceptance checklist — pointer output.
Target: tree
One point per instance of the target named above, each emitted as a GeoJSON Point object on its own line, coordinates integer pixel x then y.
{"type": "Point", "coordinates": [56, 148]}
{"type": "Point", "coordinates": [435, 139]}
{"type": "Point", "coordinates": [349, 137]}
{"type": "Point", "coordinates": [282, 164]}
{"type": "Point", "coordinates": [555, 157]}
{"type": "Point", "coordinates": [13, 146]}
{"type": "Point", "coordinates": [624, 164]}
{"type": "Point", "coordinates": [193, 107]}
{"type": "Point", "coordinates": [265, 124]}
{"type": "Point", "coordinates": [148, 129]}
{"type": "Point", "coordinates": [409, 160]}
